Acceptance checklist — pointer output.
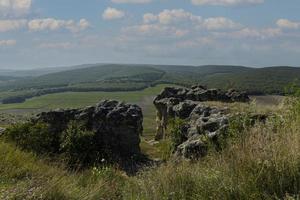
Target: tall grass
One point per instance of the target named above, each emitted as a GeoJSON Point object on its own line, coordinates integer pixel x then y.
{"type": "Point", "coordinates": [263, 163]}
{"type": "Point", "coordinates": [24, 176]}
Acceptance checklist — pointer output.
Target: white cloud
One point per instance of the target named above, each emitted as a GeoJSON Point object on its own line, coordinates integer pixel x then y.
{"type": "Point", "coordinates": [149, 18]}
{"type": "Point", "coordinates": [182, 18]}
{"type": "Point", "coordinates": [8, 42]}
{"type": "Point", "coordinates": [112, 13]}
{"type": "Point", "coordinates": [265, 33]}
{"type": "Point", "coordinates": [226, 2]}
{"type": "Point", "coordinates": [131, 1]}
{"type": "Point", "coordinates": [14, 7]}
{"type": "Point", "coordinates": [55, 24]}
{"type": "Point", "coordinates": [171, 16]}
{"type": "Point", "coordinates": [58, 45]}
{"type": "Point", "coordinates": [220, 23]}
{"type": "Point", "coordinates": [10, 25]}
{"type": "Point", "coordinates": [155, 30]}
{"type": "Point", "coordinates": [287, 24]}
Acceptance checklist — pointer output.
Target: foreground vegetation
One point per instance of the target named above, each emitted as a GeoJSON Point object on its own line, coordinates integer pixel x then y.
{"type": "Point", "coordinates": [260, 162]}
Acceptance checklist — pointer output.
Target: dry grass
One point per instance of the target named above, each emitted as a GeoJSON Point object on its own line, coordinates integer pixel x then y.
{"type": "Point", "coordinates": [263, 163]}
{"type": "Point", "coordinates": [260, 163]}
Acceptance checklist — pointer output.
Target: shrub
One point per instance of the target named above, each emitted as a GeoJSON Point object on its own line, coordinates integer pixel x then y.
{"type": "Point", "coordinates": [33, 137]}
{"type": "Point", "coordinates": [80, 146]}
{"type": "Point", "coordinates": [176, 129]}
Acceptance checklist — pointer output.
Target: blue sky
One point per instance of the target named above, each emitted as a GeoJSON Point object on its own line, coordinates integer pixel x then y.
{"type": "Point", "coordinates": [51, 33]}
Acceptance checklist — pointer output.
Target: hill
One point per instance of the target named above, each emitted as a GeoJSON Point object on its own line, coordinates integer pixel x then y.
{"type": "Point", "coordinates": [132, 77]}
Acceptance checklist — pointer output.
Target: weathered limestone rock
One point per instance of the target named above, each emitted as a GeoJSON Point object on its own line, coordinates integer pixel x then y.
{"type": "Point", "coordinates": [117, 125]}
{"type": "Point", "coordinates": [203, 123]}
{"type": "Point", "coordinates": [179, 102]}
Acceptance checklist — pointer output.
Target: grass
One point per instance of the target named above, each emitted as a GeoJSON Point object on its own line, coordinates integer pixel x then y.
{"type": "Point", "coordinates": [81, 99]}
{"type": "Point", "coordinates": [24, 176]}
{"type": "Point", "coordinates": [262, 162]}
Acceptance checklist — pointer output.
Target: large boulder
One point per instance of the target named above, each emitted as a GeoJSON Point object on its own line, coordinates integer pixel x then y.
{"type": "Point", "coordinates": [117, 125]}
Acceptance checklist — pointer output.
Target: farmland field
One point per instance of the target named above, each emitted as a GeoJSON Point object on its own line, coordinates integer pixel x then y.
{"type": "Point", "coordinates": [81, 99]}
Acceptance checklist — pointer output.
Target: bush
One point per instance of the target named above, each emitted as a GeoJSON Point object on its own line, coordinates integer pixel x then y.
{"type": "Point", "coordinates": [176, 126]}
{"type": "Point", "coordinates": [80, 146]}
{"type": "Point", "coordinates": [33, 137]}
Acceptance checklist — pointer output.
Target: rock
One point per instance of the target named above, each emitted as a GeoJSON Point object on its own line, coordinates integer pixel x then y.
{"type": "Point", "coordinates": [203, 123]}
{"type": "Point", "coordinates": [179, 102]}
{"type": "Point", "coordinates": [117, 125]}
{"type": "Point", "coordinates": [195, 147]}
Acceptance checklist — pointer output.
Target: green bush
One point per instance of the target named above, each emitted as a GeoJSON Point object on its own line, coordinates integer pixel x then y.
{"type": "Point", "coordinates": [33, 137]}
{"type": "Point", "coordinates": [80, 146]}
{"type": "Point", "coordinates": [176, 125]}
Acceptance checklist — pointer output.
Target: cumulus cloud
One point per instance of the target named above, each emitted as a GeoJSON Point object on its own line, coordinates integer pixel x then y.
{"type": "Point", "coordinates": [287, 24]}
{"type": "Point", "coordinates": [55, 24]}
{"type": "Point", "coordinates": [44, 24]}
{"type": "Point", "coordinates": [226, 2]}
{"type": "Point", "coordinates": [7, 43]}
{"type": "Point", "coordinates": [219, 23]}
{"type": "Point", "coordinates": [131, 1]}
{"type": "Point", "coordinates": [10, 25]}
{"type": "Point", "coordinates": [112, 14]}
{"type": "Point", "coordinates": [171, 16]}
{"type": "Point", "coordinates": [14, 7]}
{"type": "Point", "coordinates": [180, 17]}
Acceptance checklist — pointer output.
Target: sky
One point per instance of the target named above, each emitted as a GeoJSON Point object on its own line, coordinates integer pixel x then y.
{"type": "Point", "coordinates": [52, 33]}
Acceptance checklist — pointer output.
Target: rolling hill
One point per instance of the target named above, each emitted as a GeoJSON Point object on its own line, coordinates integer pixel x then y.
{"type": "Point", "coordinates": [127, 77]}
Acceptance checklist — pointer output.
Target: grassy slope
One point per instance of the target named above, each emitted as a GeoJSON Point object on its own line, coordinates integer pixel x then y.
{"type": "Point", "coordinates": [262, 163]}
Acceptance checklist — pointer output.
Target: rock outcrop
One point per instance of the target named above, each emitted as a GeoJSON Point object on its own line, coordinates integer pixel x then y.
{"type": "Point", "coordinates": [203, 123]}
{"type": "Point", "coordinates": [117, 125]}
{"type": "Point", "coordinates": [179, 102]}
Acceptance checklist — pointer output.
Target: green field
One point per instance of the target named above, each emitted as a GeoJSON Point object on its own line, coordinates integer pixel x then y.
{"type": "Point", "coordinates": [143, 98]}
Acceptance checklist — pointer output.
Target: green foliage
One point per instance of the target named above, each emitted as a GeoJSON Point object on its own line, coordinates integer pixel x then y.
{"type": "Point", "coordinates": [176, 125]}
{"type": "Point", "coordinates": [33, 137]}
{"type": "Point", "coordinates": [239, 124]}
{"type": "Point", "coordinates": [293, 100]}
{"type": "Point", "coordinates": [80, 146]}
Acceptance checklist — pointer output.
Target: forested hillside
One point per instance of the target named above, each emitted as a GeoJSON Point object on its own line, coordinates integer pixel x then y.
{"type": "Point", "coordinates": [117, 77]}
